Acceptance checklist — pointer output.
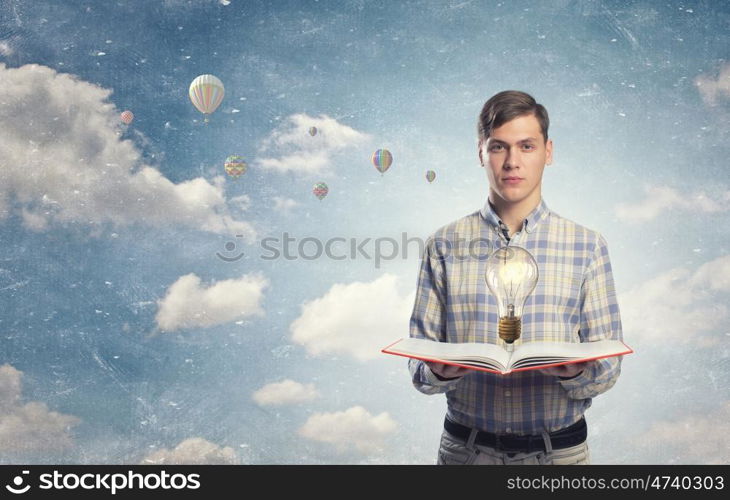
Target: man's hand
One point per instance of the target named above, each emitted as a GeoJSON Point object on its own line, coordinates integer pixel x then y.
{"type": "Point", "coordinates": [570, 370]}
{"type": "Point", "coordinates": [447, 371]}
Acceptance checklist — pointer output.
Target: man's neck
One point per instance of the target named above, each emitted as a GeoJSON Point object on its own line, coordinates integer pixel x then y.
{"type": "Point", "coordinates": [513, 214]}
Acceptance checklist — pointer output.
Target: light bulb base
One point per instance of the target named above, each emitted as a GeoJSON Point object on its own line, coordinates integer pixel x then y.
{"type": "Point", "coordinates": [510, 329]}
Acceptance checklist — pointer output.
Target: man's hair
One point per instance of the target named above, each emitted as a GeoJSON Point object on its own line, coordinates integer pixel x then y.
{"type": "Point", "coordinates": [508, 105]}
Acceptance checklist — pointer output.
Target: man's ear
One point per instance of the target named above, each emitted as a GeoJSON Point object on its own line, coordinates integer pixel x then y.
{"type": "Point", "coordinates": [549, 152]}
{"type": "Point", "coordinates": [480, 143]}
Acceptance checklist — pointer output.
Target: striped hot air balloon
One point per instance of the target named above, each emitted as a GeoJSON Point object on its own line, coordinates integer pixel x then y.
{"type": "Point", "coordinates": [127, 117]}
{"type": "Point", "coordinates": [206, 93]}
{"type": "Point", "coordinates": [382, 159]}
{"type": "Point", "coordinates": [235, 166]}
{"type": "Point", "coordinates": [430, 175]}
{"type": "Point", "coordinates": [320, 190]}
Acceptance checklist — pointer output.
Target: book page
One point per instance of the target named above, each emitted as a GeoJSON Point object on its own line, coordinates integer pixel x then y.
{"type": "Point", "coordinates": [555, 352]}
{"type": "Point", "coordinates": [471, 353]}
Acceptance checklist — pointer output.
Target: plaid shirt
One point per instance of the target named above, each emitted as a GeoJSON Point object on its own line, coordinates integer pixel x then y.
{"type": "Point", "coordinates": [574, 301]}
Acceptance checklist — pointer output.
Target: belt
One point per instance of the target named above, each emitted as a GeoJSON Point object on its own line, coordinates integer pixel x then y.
{"type": "Point", "coordinates": [572, 435]}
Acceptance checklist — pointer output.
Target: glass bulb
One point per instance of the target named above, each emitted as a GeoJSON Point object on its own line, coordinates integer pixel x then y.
{"type": "Point", "coordinates": [511, 274]}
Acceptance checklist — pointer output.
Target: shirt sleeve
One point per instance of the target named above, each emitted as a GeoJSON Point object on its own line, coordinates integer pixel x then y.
{"type": "Point", "coordinates": [428, 320]}
{"type": "Point", "coordinates": [599, 320]}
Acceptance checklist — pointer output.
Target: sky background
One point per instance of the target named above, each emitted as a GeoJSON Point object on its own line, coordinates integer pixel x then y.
{"type": "Point", "coordinates": [143, 320]}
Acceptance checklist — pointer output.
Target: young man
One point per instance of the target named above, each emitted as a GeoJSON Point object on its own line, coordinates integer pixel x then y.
{"type": "Point", "coordinates": [533, 417]}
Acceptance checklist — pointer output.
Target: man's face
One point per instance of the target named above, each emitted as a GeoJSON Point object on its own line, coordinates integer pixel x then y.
{"type": "Point", "coordinates": [514, 156]}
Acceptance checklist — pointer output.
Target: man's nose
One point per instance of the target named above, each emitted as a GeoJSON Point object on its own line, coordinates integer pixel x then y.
{"type": "Point", "coordinates": [513, 159]}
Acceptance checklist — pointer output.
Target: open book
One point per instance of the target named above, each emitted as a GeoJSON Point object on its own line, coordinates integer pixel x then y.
{"type": "Point", "coordinates": [496, 359]}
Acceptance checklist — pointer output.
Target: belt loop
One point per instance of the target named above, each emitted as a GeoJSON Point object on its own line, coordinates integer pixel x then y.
{"type": "Point", "coordinates": [472, 438]}
{"type": "Point", "coordinates": [548, 443]}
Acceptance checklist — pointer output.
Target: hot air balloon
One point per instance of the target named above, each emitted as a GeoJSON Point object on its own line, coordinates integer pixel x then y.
{"type": "Point", "coordinates": [430, 175]}
{"type": "Point", "coordinates": [127, 117]}
{"type": "Point", "coordinates": [206, 93]}
{"type": "Point", "coordinates": [235, 166]}
{"type": "Point", "coordinates": [382, 159]}
{"type": "Point", "coordinates": [312, 131]}
{"type": "Point", "coordinates": [320, 190]}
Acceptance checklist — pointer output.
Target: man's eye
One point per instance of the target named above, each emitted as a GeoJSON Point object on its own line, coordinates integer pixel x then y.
{"type": "Point", "coordinates": [529, 146]}
{"type": "Point", "coordinates": [495, 147]}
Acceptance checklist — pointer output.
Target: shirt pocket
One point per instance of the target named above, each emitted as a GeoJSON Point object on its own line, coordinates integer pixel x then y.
{"type": "Point", "coordinates": [553, 309]}
{"type": "Point", "coordinates": [560, 285]}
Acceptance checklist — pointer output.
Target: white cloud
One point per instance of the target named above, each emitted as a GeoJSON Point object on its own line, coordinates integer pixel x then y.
{"type": "Point", "coordinates": [680, 305]}
{"type": "Point", "coordinates": [5, 48]}
{"type": "Point", "coordinates": [240, 203]}
{"type": "Point", "coordinates": [352, 427]}
{"type": "Point", "coordinates": [711, 88]}
{"type": "Point", "coordinates": [358, 319]}
{"type": "Point", "coordinates": [188, 304]}
{"type": "Point", "coordinates": [696, 439]}
{"type": "Point", "coordinates": [714, 275]}
{"type": "Point", "coordinates": [63, 161]}
{"type": "Point", "coordinates": [29, 427]}
{"type": "Point", "coordinates": [290, 148]}
{"type": "Point", "coordinates": [284, 205]}
{"type": "Point", "coordinates": [660, 199]}
{"type": "Point", "coordinates": [285, 392]}
{"type": "Point", "coordinates": [193, 451]}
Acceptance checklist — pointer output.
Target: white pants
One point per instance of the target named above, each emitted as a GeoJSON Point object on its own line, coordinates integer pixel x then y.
{"type": "Point", "coordinates": [456, 451]}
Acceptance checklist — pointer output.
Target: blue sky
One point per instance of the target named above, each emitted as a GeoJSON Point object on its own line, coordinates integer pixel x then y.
{"type": "Point", "coordinates": [128, 339]}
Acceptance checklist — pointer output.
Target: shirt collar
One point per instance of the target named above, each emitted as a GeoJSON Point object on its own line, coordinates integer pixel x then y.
{"type": "Point", "coordinates": [530, 223]}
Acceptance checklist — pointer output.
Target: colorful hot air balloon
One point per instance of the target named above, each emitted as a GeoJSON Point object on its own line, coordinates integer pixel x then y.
{"type": "Point", "coordinates": [235, 166]}
{"type": "Point", "coordinates": [127, 117]}
{"type": "Point", "coordinates": [382, 159]}
{"type": "Point", "coordinates": [312, 131]}
{"type": "Point", "coordinates": [206, 93]}
{"type": "Point", "coordinates": [430, 175]}
{"type": "Point", "coordinates": [320, 190]}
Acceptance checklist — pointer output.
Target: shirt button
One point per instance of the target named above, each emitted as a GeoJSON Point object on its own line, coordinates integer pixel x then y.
{"type": "Point", "coordinates": [507, 393]}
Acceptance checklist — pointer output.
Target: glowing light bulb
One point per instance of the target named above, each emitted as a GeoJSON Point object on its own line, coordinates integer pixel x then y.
{"type": "Point", "coordinates": [511, 275]}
